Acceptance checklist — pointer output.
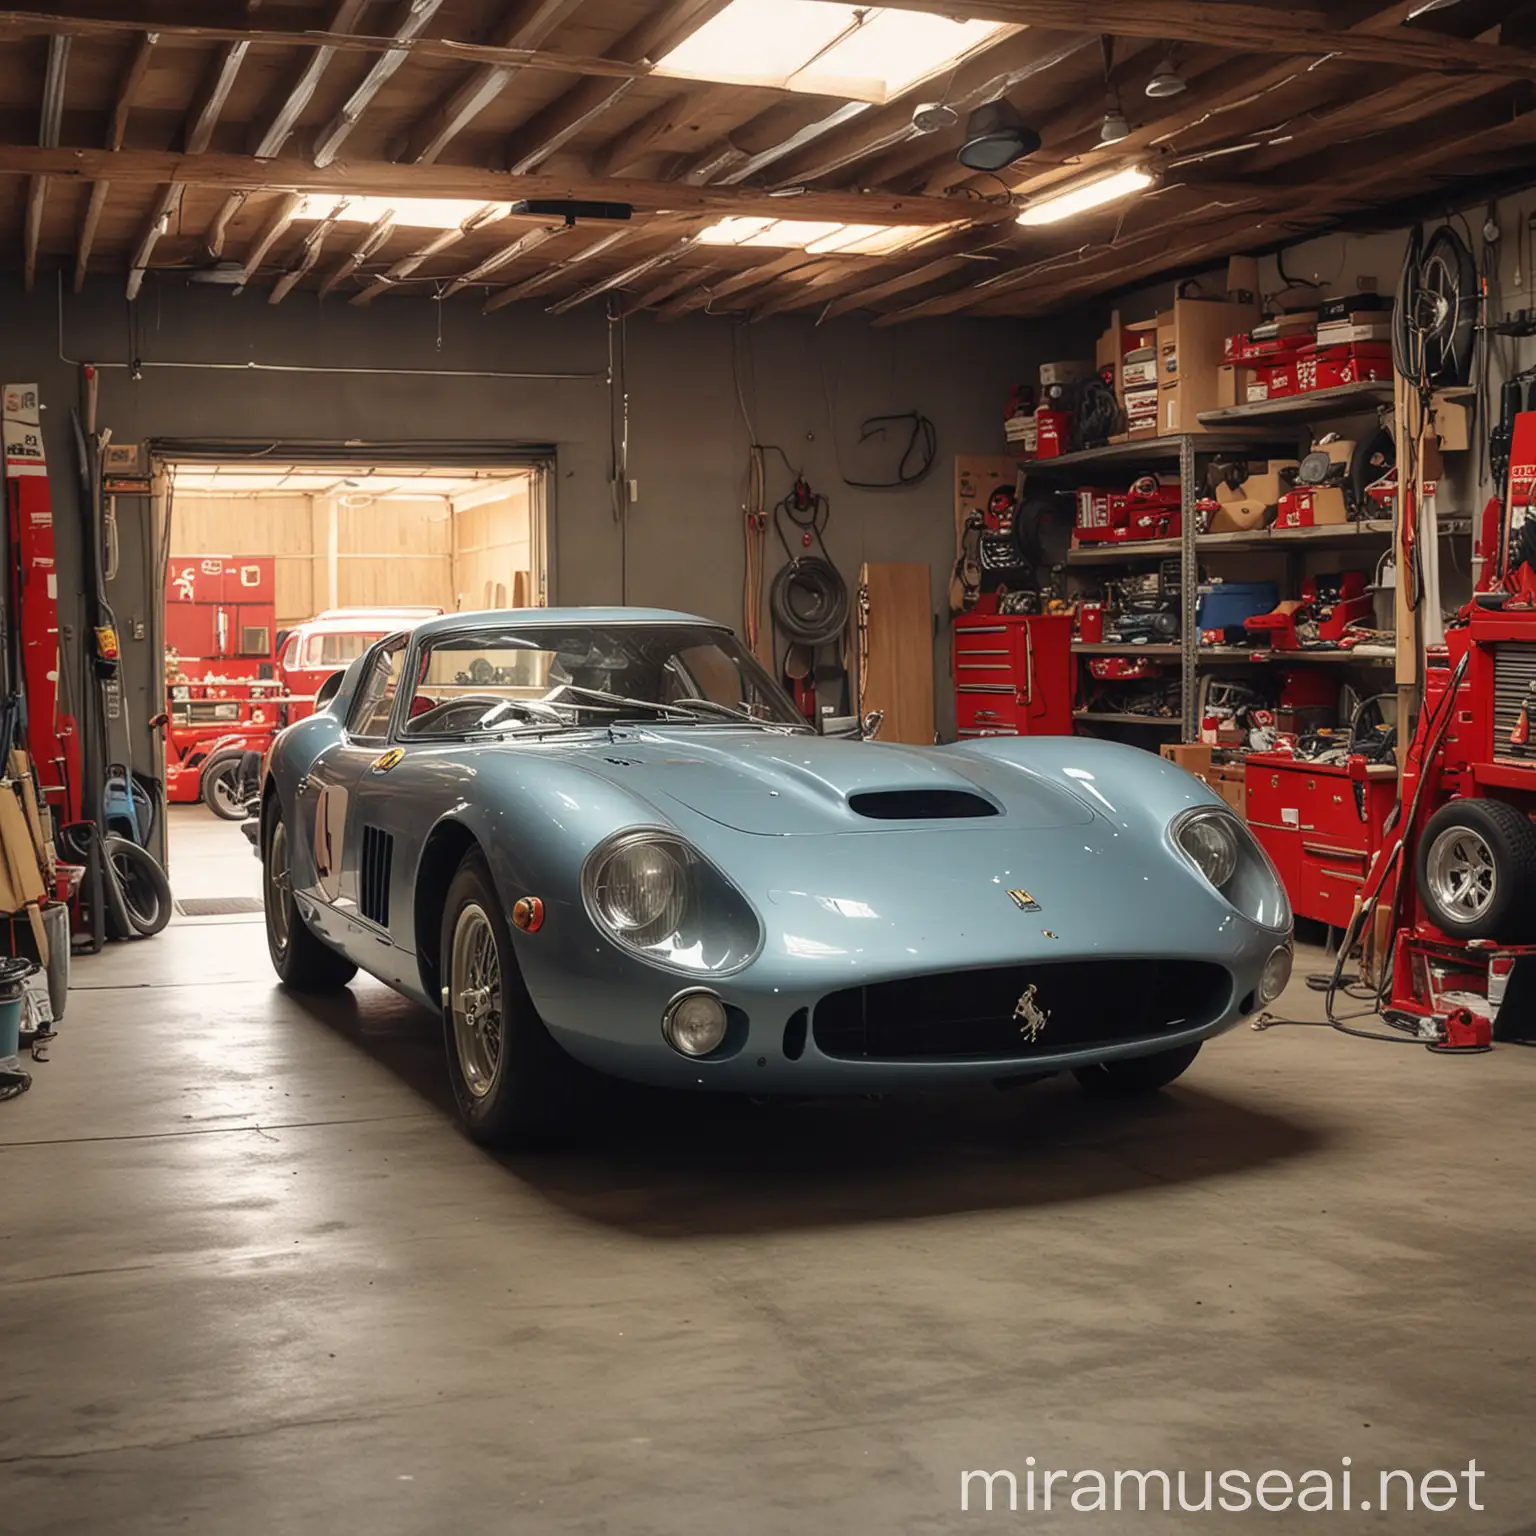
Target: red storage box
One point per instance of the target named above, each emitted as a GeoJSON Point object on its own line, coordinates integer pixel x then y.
{"type": "Point", "coordinates": [1053, 433]}
{"type": "Point", "coordinates": [1331, 367]}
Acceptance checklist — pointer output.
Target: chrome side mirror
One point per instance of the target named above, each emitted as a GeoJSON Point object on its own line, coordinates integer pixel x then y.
{"type": "Point", "coordinates": [869, 726]}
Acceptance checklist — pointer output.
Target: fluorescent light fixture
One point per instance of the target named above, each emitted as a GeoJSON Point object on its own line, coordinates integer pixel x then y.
{"type": "Point", "coordinates": [818, 239]}
{"type": "Point", "coordinates": [409, 212]}
{"type": "Point", "coordinates": [859, 53]}
{"type": "Point", "coordinates": [1085, 196]}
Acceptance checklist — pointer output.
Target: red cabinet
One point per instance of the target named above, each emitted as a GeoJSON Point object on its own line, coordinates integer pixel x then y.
{"type": "Point", "coordinates": [1321, 827]}
{"type": "Point", "coordinates": [1013, 675]}
{"type": "Point", "coordinates": [219, 614]}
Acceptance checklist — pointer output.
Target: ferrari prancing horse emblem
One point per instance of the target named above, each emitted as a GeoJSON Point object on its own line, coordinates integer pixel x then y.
{"type": "Point", "coordinates": [387, 761]}
{"type": "Point", "coordinates": [1030, 1016]}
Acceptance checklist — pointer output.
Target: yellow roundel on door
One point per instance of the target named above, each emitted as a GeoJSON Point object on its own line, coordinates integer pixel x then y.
{"type": "Point", "coordinates": [388, 761]}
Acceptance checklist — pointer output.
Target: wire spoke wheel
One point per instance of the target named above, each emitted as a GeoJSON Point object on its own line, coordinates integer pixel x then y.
{"type": "Point", "coordinates": [475, 999]}
{"type": "Point", "coordinates": [1461, 872]}
{"type": "Point", "coordinates": [225, 788]}
{"type": "Point", "coordinates": [277, 889]}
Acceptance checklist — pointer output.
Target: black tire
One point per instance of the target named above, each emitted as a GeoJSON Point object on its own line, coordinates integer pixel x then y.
{"type": "Point", "coordinates": [531, 1089]}
{"type": "Point", "coordinates": [1132, 1076]}
{"type": "Point", "coordinates": [221, 789]}
{"type": "Point", "coordinates": [142, 901]}
{"type": "Point", "coordinates": [1495, 847]}
{"type": "Point", "coordinates": [302, 962]}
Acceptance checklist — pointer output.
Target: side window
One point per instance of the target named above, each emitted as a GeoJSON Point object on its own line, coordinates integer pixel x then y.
{"type": "Point", "coordinates": [291, 651]}
{"type": "Point", "coordinates": [375, 699]}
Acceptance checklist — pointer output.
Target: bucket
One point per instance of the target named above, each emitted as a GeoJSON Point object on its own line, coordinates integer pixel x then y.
{"type": "Point", "coordinates": [13, 983]}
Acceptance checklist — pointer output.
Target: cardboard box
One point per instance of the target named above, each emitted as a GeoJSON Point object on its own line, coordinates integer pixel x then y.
{"type": "Point", "coordinates": [1317, 507]}
{"type": "Point", "coordinates": [1233, 383]}
{"type": "Point", "coordinates": [977, 475]}
{"type": "Point", "coordinates": [1190, 756]}
{"type": "Point", "coordinates": [1343, 332]}
{"type": "Point", "coordinates": [1141, 371]}
{"type": "Point", "coordinates": [1230, 781]}
{"type": "Point", "coordinates": [1452, 427]}
{"type": "Point", "coordinates": [1066, 373]}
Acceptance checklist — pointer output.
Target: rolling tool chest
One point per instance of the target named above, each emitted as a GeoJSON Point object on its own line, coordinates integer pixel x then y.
{"type": "Point", "coordinates": [1321, 825]}
{"type": "Point", "coordinates": [1013, 675]}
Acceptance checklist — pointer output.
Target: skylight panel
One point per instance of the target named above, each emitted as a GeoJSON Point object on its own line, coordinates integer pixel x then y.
{"type": "Point", "coordinates": [408, 212]}
{"type": "Point", "coordinates": [817, 239]}
{"type": "Point", "coordinates": [861, 53]}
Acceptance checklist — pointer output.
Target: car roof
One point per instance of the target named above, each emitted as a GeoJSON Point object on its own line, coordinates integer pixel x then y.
{"type": "Point", "coordinates": [530, 618]}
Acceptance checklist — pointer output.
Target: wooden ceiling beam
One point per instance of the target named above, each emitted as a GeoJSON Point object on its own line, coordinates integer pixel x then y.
{"type": "Point", "coordinates": [531, 144]}
{"type": "Point", "coordinates": [625, 275]}
{"type": "Point", "coordinates": [903, 282]}
{"type": "Point", "coordinates": [159, 220]}
{"type": "Point", "coordinates": [552, 274]}
{"type": "Point", "coordinates": [414, 15]}
{"type": "Point", "coordinates": [1254, 29]}
{"type": "Point", "coordinates": [530, 241]}
{"type": "Point", "coordinates": [133, 78]}
{"type": "Point", "coordinates": [672, 283]}
{"type": "Point", "coordinates": [215, 95]}
{"type": "Point", "coordinates": [272, 231]}
{"type": "Point", "coordinates": [14, 23]}
{"type": "Point", "coordinates": [309, 254]}
{"type": "Point", "coordinates": [671, 116]}
{"type": "Point", "coordinates": [482, 218]}
{"type": "Point", "coordinates": [985, 78]}
{"type": "Point", "coordinates": [344, 18]}
{"type": "Point", "coordinates": [51, 114]}
{"type": "Point", "coordinates": [88, 227]}
{"type": "Point", "coordinates": [382, 178]}
{"type": "Point", "coordinates": [526, 24]}
{"type": "Point", "coordinates": [373, 239]}
{"type": "Point", "coordinates": [737, 282]}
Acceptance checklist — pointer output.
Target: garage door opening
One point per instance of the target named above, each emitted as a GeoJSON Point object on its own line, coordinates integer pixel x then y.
{"type": "Point", "coordinates": [276, 576]}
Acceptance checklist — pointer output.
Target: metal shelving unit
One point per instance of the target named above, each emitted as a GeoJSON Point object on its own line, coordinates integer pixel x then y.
{"type": "Point", "coordinates": [1122, 648]}
{"type": "Point", "coordinates": [1163, 722]}
{"type": "Point", "coordinates": [1315, 405]}
{"type": "Point", "coordinates": [1218, 655]}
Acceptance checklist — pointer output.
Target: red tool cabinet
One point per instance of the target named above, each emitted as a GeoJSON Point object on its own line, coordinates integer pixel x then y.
{"type": "Point", "coordinates": [1013, 675]}
{"type": "Point", "coordinates": [1321, 826]}
{"type": "Point", "coordinates": [219, 614]}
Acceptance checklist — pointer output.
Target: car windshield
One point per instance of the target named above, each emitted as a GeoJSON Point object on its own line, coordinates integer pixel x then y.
{"type": "Point", "coordinates": [338, 648]}
{"type": "Point", "coordinates": [547, 677]}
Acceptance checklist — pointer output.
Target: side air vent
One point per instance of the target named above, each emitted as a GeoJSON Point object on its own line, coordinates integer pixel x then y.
{"type": "Point", "coordinates": [373, 876]}
{"type": "Point", "coordinates": [919, 804]}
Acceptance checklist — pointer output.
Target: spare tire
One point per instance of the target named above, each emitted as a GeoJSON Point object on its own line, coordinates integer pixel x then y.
{"type": "Point", "coordinates": [141, 901]}
{"type": "Point", "coordinates": [1476, 870]}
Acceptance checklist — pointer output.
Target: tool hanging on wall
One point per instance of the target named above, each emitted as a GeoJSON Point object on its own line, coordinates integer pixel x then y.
{"type": "Point", "coordinates": [809, 605]}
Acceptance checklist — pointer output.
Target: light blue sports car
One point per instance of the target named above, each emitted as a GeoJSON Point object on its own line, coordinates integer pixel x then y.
{"type": "Point", "coordinates": [604, 840]}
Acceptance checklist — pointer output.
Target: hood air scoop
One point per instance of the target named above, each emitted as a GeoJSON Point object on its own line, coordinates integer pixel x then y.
{"type": "Point", "coordinates": [919, 804]}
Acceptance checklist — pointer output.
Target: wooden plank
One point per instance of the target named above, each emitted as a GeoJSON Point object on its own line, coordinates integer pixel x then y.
{"type": "Point", "coordinates": [540, 280]}
{"type": "Point", "coordinates": [624, 275]}
{"type": "Point", "coordinates": [132, 80]}
{"type": "Point", "coordinates": [344, 18]}
{"type": "Point", "coordinates": [339, 129]}
{"type": "Point", "coordinates": [273, 231]}
{"type": "Point", "coordinates": [526, 24]}
{"type": "Point", "coordinates": [492, 264]}
{"type": "Point", "coordinates": [376, 235]}
{"type": "Point", "coordinates": [644, 137]}
{"type": "Point", "coordinates": [88, 227]}
{"type": "Point", "coordinates": [16, 23]}
{"type": "Point", "coordinates": [373, 178]}
{"type": "Point", "coordinates": [649, 39]}
{"type": "Point", "coordinates": [481, 219]}
{"type": "Point", "coordinates": [215, 94]}
{"type": "Point", "coordinates": [896, 664]}
{"type": "Point", "coordinates": [159, 218]}
{"type": "Point", "coordinates": [1243, 28]}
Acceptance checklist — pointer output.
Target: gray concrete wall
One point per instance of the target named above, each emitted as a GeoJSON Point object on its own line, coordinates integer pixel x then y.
{"type": "Point", "coordinates": [691, 385]}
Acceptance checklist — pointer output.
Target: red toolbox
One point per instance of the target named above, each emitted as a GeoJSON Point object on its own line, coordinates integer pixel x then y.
{"type": "Point", "coordinates": [1350, 363]}
{"type": "Point", "coordinates": [1013, 675]}
{"type": "Point", "coordinates": [1321, 824]}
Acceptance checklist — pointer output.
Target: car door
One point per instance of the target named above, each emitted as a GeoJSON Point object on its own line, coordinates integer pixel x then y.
{"type": "Point", "coordinates": [345, 861]}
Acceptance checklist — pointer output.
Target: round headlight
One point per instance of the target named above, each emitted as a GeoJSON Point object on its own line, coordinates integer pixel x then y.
{"type": "Point", "coordinates": [1277, 974]}
{"type": "Point", "coordinates": [694, 1023]}
{"type": "Point", "coordinates": [1210, 840]}
{"type": "Point", "coordinates": [641, 889]}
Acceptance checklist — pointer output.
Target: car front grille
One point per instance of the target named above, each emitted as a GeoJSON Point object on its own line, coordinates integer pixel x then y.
{"type": "Point", "coordinates": [1514, 689]}
{"type": "Point", "coordinates": [1017, 1012]}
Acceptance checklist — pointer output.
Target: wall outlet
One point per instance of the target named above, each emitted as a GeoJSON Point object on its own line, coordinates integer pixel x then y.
{"type": "Point", "coordinates": [1366, 285]}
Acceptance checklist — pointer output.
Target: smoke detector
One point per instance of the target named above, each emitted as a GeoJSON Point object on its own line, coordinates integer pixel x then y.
{"type": "Point", "coordinates": [934, 117]}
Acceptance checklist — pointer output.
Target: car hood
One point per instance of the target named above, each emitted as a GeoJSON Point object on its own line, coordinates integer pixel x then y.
{"type": "Point", "coordinates": [783, 786]}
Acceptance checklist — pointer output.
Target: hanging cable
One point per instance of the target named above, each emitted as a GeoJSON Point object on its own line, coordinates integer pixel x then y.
{"type": "Point", "coordinates": [917, 458]}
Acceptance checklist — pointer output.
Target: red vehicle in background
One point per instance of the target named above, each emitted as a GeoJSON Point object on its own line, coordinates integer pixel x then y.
{"type": "Point", "coordinates": [329, 643]}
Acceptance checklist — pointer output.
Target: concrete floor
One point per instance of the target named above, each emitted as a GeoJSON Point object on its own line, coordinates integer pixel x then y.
{"type": "Point", "coordinates": [255, 1281]}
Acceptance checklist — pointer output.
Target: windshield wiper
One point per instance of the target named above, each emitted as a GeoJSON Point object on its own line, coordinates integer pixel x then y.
{"type": "Point", "coordinates": [619, 701]}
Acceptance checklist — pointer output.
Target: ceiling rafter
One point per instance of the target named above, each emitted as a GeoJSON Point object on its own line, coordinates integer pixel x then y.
{"type": "Point", "coordinates": [530, 240]}
{"type": "Point", "coordinates": [50, 115]}
{"type": "Point", "coordinates": [280, 126]}
{"type": "Point", "coordinates": [1254, 29]}
{"type": "Point", "coordinates": [414, 15]}
{"type": "Point", "coordinates": [117, 131]}
{"type": "Point", "coordinates": [625, 275]}
{"type": "Point", "coordinates": [14, 23]}
{"type": "Point", "coordinates": [309, 254]}
{"type": "Point", "coordinates": [674, 282]}
{"type": "Point", "coordinates": [670, 116]}
{"type": "Point", "coordinates": [531, 144]}
{"type": "Point", "coordinates": [215, 95]}
{"type": "Point", "coordinates": [541, 280]}
{"type": "Point", "coordinates": [737, 282]}
{"type": "Point", "coordinates": [271, 232]}
{"type": "Point", "coordinates": [526, 24]}
{"type": "Point", "coordinates": [481, 218]}
{"type": "Point", "coordinates": [373, 240]}
{"type": "Point", "coordinates": [383, 178]}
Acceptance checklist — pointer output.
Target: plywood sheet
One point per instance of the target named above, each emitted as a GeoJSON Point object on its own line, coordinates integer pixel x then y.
{"type": "Point", "coordinates": [898, 651]}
